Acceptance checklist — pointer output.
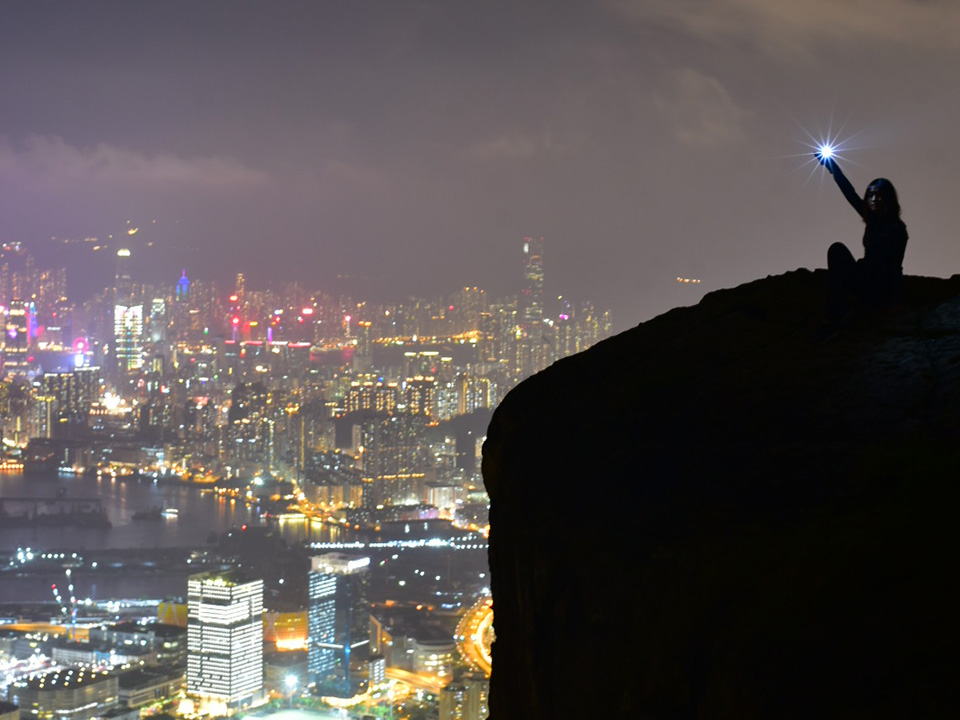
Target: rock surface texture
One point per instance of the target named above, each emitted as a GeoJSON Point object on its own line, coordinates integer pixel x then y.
{"type": "Point", "coordinates": [727, 512]}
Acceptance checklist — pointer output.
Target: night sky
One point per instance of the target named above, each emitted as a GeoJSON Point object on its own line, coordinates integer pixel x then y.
{"type": "Point", "coordinates": [414, 144]}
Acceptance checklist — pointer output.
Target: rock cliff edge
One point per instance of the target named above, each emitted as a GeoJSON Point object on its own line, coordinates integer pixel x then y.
{"type": "Point", "coordinates": [726, 513]}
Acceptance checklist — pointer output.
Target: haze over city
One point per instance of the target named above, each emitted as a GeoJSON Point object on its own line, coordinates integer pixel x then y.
{"type": "Point", "coordinates": [414, 144]}
{"type": "Point", "coordinates": [268, 271]}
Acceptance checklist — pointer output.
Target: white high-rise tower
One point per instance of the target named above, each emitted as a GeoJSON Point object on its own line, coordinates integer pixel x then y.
{"type": "Point", "coordinates": [225, 637]}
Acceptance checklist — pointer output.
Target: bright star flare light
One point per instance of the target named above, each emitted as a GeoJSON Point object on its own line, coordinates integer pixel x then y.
{"type": "Point", "coordinates": [820, 146]}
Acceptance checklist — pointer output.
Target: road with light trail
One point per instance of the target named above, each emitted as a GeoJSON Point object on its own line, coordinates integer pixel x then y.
{"type": "Point", "coordinates": [475, 635]}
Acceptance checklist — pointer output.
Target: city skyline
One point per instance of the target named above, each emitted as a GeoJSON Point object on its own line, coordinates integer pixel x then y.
{"type": "Point", "coordinates": [414, 144]}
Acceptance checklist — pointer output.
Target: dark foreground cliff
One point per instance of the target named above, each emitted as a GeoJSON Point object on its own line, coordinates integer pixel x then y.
{"type": "Point", "coordinates": [724, 513]}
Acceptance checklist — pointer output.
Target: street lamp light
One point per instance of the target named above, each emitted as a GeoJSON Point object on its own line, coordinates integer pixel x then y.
{"type": "Point", "coordinates": [291, 683]}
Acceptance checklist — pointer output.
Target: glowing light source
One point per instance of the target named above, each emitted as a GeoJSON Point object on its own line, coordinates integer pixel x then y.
{"type": "Point", "coordinates": [825, 151]}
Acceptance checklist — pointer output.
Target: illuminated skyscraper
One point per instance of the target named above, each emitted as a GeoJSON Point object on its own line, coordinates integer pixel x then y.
{"type": "Point", "coordinates": [533, 349]}
{"type": "Point", "coordinates": [531, 297]}
{"type": "Point", "coordinates": [16, 339]}
{"type": "Point", "coordinates": [123, 282]}
{"type": "Point", "coordinates": [127, 318]}
{"type": "Point", "coordinates": [225, 637]}
{"type": "Point", "coordinates": [321, 623]}
{"type": "Point", "coordinates": [338, 619]}
{"type": "Point", "coordinates": [127, 336]}
{"type": "Point", "coordinates": [183, 287]}
{"type": "Point", "coordinates": [72, 392]}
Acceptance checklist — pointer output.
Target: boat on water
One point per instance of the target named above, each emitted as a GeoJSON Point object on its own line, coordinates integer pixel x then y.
{"type": "Point", "coordinates": [156, 513]}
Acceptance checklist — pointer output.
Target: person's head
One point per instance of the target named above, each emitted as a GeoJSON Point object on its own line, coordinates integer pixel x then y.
{"type": "Point", "coordinates": [881, 200]}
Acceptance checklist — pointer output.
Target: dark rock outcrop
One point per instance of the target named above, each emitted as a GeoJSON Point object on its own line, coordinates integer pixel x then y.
{"type": "Point", "coordinates": [727, 513]}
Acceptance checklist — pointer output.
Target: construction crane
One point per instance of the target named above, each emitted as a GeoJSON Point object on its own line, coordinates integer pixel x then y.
{"type": "Point", "coordinates": [69, 611]}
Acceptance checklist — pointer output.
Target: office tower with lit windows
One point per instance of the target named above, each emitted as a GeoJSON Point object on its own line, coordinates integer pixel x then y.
{"type": "Point", "coordinates": [127, 318]}
{"type": "Point", "coordinates": [183, 288]}
{"type": "Point", "coordinates": [72, 393]}
{"type": "Point", "coordinates": [533, 350]}
{"type": "Point", "coordinates": [531, 296]}
{"type": "Point", "coordinates": [225, 637]}
{"type": "Point", "coordinates": [16, 338]}
{"type": "Point", "coordinates": [338, 619]}
{"type": "Point", "coordinates": [128, 336]}
{"type": "Point", "coordinates": [321, 624]}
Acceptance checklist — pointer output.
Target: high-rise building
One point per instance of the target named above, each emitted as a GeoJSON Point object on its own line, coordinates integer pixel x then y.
{"type": "Point", "coordinates": [531, 296]}
{"type": "Point", "coordinates": [476, 691]}
{"type": "Point", "coordinates": [225, 637]}
{"type": "Point", "coordinates": [451, 702]}
{"type": "Point", "coordinates": [473, 393]}
{"type": "Point", "coordinates": [533, 349]}
{"type": "Point", "coordinates": [419, 395]}
{"type": "Point", "coordinates": [123, 281]}
{"type": "Point", "coordinates": [394, 460]}
{"type": "Point", "coordinates": [183, 288]}
{"type": "Point", "coordinates": [16, 339]}
{"type": "Point", "coordinates": [321, 623]}
{"type": "Point", "coordinates": [373, 396]}
{"type": "Point", "coordinates": [466, 700]}
{"type": "Point", "coordinates": [342, 579]}
{"type": "Point", "coordinates": [127, 318]}
{"type": "Point", "coordinates": [73, 391]}
{"type": "Point", "coordinates": [128, 336]}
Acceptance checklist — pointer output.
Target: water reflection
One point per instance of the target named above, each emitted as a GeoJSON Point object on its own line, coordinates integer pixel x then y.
{"type": "Point", "coordinates": [199, 514]}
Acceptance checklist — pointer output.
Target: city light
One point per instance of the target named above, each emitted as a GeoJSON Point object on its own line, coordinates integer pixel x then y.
{"type": "Point", "coordinates": [202, 402]}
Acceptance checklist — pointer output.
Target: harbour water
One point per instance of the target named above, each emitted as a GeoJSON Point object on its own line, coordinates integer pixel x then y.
{"type": "Point", "coordinates": [200, 516]}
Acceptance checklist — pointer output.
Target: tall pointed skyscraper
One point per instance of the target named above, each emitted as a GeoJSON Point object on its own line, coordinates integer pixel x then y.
{"type": "Point", "coordinates": [533, 348]}
{"type": "Point", "coordinates": [531, 296]}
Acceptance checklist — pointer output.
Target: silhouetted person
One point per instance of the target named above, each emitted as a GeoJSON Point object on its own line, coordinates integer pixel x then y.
{"type": "Point", "coordinates": [876, 279]}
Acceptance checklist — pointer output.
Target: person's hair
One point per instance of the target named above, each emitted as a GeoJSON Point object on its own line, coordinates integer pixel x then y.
{"type": "Point", "coordinates": [888, 193]}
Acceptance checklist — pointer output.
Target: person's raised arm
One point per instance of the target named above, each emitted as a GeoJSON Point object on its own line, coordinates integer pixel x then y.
{"type": "Point", "coordinates": [845, 186]}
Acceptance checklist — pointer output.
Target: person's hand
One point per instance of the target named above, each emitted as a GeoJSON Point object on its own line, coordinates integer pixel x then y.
{"type": "Point", "coordinates": [828, 162]}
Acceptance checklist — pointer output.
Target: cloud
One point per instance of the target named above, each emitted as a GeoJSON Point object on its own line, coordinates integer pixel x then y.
{"type": "Point", "coordinates": [700, 110]}
{"type": "Point", "coordinates": [782, 26]}
{"type": "Point", "coordinates": [512, 146]}
{"type": "Point", "coordinates": [49, 160]}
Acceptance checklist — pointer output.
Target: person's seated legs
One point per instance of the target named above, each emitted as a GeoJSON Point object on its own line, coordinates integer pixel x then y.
{"type": "Point", "coordinates": [842, 270]}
